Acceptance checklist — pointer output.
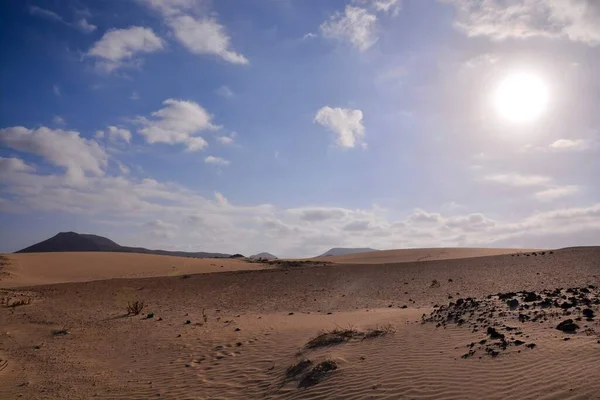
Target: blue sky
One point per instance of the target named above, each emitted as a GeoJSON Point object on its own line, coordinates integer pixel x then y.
{"type": "Point", "coordinates": [294, 126]}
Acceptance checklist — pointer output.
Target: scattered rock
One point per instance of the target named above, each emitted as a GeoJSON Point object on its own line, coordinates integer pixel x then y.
{"type": "Point", "coordinates": [588, 313]}
{"type": "Point", "coordinates": [567, 326]}
{"type": "Point", "coordinates": [513, 304]}
{"type": "Point", "coordinates": [494, 334]}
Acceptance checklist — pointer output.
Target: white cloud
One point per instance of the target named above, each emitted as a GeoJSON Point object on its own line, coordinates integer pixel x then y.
{"type": "Point", "coordinates": [570, 145]}
{"type": "Point", "coordinates": [161, 229]}
{"type": "Point", "coordinates": [345, 123]}
{"type": "Point", "coordinates": [56, 90]}
{"type": "Point", "coordinates": [85, 26]}
{"type": "Point", "coordinates": [217, 161]}
{"type": "Point", "coordinates": [118, 47]}
{"type": "Point", "coordinates": [577, 20]}
{"type": "Point", "coordinates": [200, 35]}
{"type": "Point", "coordinates": [384, 6]}
{"type": "Point", "coordinates": [41, 12]}
{"type": "Point", "coordinates": [157, 210]}
{"type": "Point", "coordinates": [471, 222]}
{"type": "Point", "coordinates": [168, 8]}
{"type": "Point", "coordinates": [196, 143]}
{"type": "Point", "coordinates": [357, 226]}
{"type": "Point", "coordinates": [59, 147]}
{"type": "Point", "coordinates": [519, 180]}
{"type": "Point", "coordinates": [318, 214]}
{"type": "Point", "coordinates": [225, 91]}
{"type": "Point", "coordinates": [222, 200]}
{"type": "Point", "coordinates": [116, 133]}
{"type": "Point", "coordinates": [355, 25]}
{"type": "Point", "coordinates": [13, 164]}
{"type": "Point", "coordinates": [225, 139]}
{"type": "Point", "coordinates": [205, 36]}
{"type": "Point", "coordinates": [178, 122]}
{"type": "Point", "coordinates": [557, 192]}
{"type": "Point", "coordinates": [134, 96]}
{"type": "Point", "coordinates": [82, 24]}
{"type": "Point", "coordinates": [309, 35]}
{"type": "Point", "coordinates": [58, 120]}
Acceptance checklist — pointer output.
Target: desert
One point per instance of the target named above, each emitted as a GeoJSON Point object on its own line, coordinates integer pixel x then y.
{"type": "Point", "coordinates": [447, 328]}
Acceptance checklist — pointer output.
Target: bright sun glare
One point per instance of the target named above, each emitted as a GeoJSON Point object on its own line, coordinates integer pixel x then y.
{"type": "Point", "coordinates": [521, 97]}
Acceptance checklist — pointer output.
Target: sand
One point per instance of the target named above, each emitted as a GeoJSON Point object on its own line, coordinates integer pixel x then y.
{"type": "Point", "coordinates": [47, 268]}
{"type": "Point", "coordinates": [247, 327]}
{"type": "Point", "coordinates": [410, 255]}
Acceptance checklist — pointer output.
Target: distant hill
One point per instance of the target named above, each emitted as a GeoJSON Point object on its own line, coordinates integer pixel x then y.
{"type": "Point", "coordinates": [72, 241]}
{"type": "Point", "coordinates": [342, 251]}
{"type": "Point", "coordinates": [264, 255]}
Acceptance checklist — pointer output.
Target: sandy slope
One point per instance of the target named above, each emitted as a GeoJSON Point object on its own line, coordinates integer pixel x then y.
{"type": "Point", "coordinates": [410, 255]}
{"type": "Point", "coordinates": [47, 268]}
{"type": "Point", "coordinates": [249, 338]}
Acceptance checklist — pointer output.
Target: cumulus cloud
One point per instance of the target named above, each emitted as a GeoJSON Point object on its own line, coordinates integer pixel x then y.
{"type": "Point", "coordinates": [355, 25]}
{"type": "Point", "coordinates": [357, 226]}
{"type": "Point", "coordinates": [471, 222]}
{"type": "Point", "coordinates": [317, 214]}
{"type": "Point", "coordinates": [519, 180]}
{"type": "Point", "coordinates": [225, 139]}
{"type": "Point", "coordinates": [13, 164]}
{"type": "Point", "coordinates": [217, 161]}
{"type": "Point", "coordinates": [118, 47]}
{"type": "Point", "coordinates": [177, 122]}
{"type": "Point", "coordinates": [577, 20]}
{"type": "Point", "coordinates": [158, 209]}
{"type": "Point", "coordinates": [59, 147]}
{"type": "Point", "coordinates": [199, 34]}
{"type": "Point", "coordinates": [570, 145]}
{"type": "Point", "coordinates": [115, 133]}
{"type": "Point", "coordinates": [345, 123]}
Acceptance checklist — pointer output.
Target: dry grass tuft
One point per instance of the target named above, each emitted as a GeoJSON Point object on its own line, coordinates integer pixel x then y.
{"type": "Point", "coordinates": [5, 302]}
{"type": "Point", "coordinates": [336, 336]}
{"type": "Point", "coordinates": [135, 307]}
{"type": "Point", "coordinates": [379, 331]}
{"type": "Point", "coordinates": [297, 369]}
{"type": "Point", "coordinates": [318, 373]}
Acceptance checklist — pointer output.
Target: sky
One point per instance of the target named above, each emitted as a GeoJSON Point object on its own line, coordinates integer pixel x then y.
{"type": "Point", "coordinates": [294, 126]}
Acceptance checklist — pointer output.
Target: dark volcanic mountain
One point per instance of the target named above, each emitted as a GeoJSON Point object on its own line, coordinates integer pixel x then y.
{"type": "Point", "coordinates": [267, 256]}
{"type": "Point", "coordinates": [72, 241]}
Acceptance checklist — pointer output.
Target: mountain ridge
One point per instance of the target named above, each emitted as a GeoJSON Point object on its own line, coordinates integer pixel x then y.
{"type": "Point", "coordinates": [73, 241]}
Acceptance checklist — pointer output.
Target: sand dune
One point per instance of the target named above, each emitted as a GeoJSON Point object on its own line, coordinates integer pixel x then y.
{"type": "Point", "coordinates": [46, 268]}
{"type": "Point", "coordinates": [410, 255]}
{"type": "Point", "coordinates": [246, 328]}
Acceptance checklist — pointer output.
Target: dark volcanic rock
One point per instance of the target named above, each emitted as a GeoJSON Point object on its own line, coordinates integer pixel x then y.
{"type": "Point", "coordinates": [494, 334]}
{"type": "Point", "coordinates": [567, 326]}
{"type": "Point", "coordinates": [588, 313]}
{"type": "Point", "coordinates": [530, 296]}
{"type": "Point", "coordinates": [513, 304]}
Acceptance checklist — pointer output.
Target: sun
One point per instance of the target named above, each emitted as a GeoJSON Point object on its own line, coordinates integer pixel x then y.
{"type": "Point", "coordinates": [521, 97]}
